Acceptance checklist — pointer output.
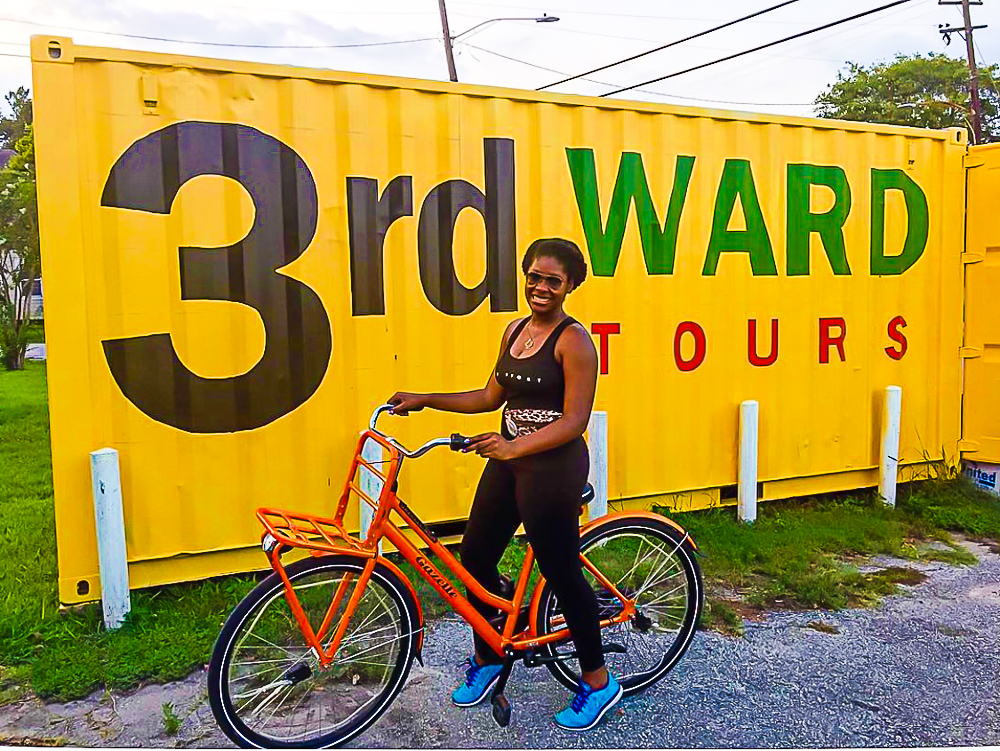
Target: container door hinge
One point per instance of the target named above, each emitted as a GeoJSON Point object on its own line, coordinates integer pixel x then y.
{"type": "Point", "coordinates": [969, 446]}
{"type": "Point", "coordinates": [970, 352]}
{"type": "Point", "coordinates": [150, 94]}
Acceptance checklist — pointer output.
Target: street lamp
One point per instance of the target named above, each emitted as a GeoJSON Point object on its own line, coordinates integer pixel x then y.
{"type": "Point", "coordinates": [448, 38]}
{"type": "Point", "coordinates": [544, 18]}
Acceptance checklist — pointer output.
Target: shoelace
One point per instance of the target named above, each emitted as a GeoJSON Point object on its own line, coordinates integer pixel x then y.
{"type": "Point", "coordinates": [582, 694]}
{"type": "Point", "coordinates": [472, 671]}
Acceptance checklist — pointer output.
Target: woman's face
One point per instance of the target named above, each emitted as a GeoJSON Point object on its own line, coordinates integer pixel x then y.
{"type": "Point", "coordinates": [546, 285]}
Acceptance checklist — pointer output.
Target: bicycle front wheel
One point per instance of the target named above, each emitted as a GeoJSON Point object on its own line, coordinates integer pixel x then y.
{"type": "Point", "coordinates": [266, 686]}
{"type": "Point", "coordinates": [648, 561]}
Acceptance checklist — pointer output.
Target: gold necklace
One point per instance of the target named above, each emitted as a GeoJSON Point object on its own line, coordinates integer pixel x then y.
{"type": "Point", "coordinates": [531, 340]}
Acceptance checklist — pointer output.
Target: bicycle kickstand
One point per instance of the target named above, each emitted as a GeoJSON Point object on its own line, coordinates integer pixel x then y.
{"type": "Point", "coordinates": [501, 707]}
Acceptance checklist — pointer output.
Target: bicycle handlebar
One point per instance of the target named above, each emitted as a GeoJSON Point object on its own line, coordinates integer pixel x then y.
{"type": "Point", "coordinates": [456, 442]}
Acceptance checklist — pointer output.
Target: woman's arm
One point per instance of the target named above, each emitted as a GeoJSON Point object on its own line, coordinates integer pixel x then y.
{"type": "Point", "coordinates": [486, 399]}
{"type": "Point", "coordinates": [575, 350]}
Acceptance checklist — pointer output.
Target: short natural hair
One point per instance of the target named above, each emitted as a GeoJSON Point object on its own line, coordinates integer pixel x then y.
{"type": "Point", "coordinates": [566, 252]}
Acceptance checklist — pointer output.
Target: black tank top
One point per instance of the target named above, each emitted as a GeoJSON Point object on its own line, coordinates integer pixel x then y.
{"type": "Point", "coordinates": [533, 386]}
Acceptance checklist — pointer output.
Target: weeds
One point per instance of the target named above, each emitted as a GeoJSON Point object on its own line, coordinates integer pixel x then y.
{"type": "Point", "coordinates": [13, 682]}
{"type": "Point", "coordinates": [171, 722]}
{"type": "Point", "coordinates": [804, 553]}
{"type": "Point", "coordinates": [721, 615]}
{"type": "Point", "coordinates": [823, 627]}
{"type": "Point", "coordinates": [32, 741]}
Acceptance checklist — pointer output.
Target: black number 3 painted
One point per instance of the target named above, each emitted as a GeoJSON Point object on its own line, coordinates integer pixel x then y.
{"type": "Point", "coordinates": [298, 342]}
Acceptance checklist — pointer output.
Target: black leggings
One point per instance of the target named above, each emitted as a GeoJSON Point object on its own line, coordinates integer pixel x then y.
{"type": "Point", "coordinates": [543, 492]}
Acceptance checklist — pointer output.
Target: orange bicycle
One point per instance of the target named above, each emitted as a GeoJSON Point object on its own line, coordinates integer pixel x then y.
{"type": "Point", "coordinates": [320, 648]}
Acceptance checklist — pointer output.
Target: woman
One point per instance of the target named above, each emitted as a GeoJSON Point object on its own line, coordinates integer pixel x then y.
{"type": "Point", "coordinates": [546, 376]}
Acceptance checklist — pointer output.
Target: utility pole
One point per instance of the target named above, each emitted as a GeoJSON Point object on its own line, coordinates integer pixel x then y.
{"type": "Point", "coordinates": [452, 73]}
{"type": "Point", "coordinates": [967, 28]}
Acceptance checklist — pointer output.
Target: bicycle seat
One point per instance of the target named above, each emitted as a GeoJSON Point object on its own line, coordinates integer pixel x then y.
{"type": "Point", "coordinates": [588, 495]}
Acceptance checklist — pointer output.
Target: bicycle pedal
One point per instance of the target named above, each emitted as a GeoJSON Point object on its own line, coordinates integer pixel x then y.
{"type": "Point", "coordinates": [501, 710]}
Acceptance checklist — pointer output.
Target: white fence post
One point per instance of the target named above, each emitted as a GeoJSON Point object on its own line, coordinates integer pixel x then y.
{"type": "Point", "coordinates": [747, 498]}
{"type": "Point", "coordinates": [597, 435]}
{"type": "Point", "coordinates": [107, 488]}
{"type": "Point", "coordinates": [371, 485]}
{"type": "Point", "coordinates": [889, 465]}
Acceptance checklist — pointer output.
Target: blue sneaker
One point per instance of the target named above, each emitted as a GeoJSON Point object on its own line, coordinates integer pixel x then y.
{"type": "Point", "coordinates": [589, 705]}
{"type": "Point", "coordinates": [479, 679]}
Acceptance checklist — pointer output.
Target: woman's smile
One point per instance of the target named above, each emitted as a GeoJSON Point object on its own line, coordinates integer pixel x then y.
{"type": "Point", "coordinates": [545, 284]}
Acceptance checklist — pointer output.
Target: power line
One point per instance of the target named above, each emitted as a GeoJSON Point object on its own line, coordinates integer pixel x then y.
{"type": "Point", "coordinates": [584, 12]}
{"type": "Point", "coordinates": [761, 47]}
{"type": "Point", "coordinates": [258, 9]}
{"type": "Point", "coordinates": [615, 14]}
{"type": "Point", "coordinates": [645, 91]}
{"type": "Point", "coordinates": [224, 44]}
{"type": "Point", "coordinates": [986, 68]}
{"type": "Point", "coordinates": [566, 30]}
{"type": "Point", "coordinates": [967, 26]}
{"type": "Point", "coordinates": [857, 31]}
{"type": "Point", "coordinates": [671, 44]}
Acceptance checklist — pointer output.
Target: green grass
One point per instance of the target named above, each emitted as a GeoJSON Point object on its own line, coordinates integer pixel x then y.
{"type": "Point", "coordinates": [804, 553]}
{"type": "Point", "coordinates": [65, 655]}
{"type": "Point", "coordinates": [797, 554]}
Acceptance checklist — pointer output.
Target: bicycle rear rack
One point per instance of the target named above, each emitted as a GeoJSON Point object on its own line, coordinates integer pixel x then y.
{"type": "Point", "coordinates": [319, 535]}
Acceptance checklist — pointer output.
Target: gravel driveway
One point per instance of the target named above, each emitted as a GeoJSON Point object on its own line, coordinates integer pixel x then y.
{"type": "Point", "coordinates": [922, 670]}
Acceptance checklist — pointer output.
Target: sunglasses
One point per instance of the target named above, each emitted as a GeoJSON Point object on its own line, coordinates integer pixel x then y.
{"type": "Point", "coordinates": [553, 283]}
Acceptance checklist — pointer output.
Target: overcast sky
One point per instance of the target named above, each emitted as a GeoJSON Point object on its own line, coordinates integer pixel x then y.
{"type": "Point", "coordinates": [522, 54]}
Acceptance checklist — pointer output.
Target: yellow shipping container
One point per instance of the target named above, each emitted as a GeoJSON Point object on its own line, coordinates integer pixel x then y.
{"type": "Point", "coordinates": [241, 260]}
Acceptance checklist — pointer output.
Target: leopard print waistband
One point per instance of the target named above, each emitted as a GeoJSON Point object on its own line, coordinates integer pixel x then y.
{"type": "Point", "coordinates": [522, 422]}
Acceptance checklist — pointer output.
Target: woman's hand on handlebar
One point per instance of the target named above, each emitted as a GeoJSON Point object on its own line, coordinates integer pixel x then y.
{"type": "Point", "coordinates": [403, 403]}
{"type": "Point", "coordinates": [491, 446]}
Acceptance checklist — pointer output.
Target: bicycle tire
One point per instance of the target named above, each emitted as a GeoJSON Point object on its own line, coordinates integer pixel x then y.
{"type": "Point", "coordinates": [261, 641]}
{"type": "Point", "coordinates": [664, 631]}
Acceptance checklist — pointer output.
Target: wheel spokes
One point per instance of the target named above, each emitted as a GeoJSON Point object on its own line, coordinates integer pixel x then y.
{"type": "Point", "coordinates": [646, 569]}
{"type": "Point", "coordinates": [290, 708]}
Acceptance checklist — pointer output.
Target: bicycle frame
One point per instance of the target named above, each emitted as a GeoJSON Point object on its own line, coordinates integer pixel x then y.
{"type": "Point", "coordinates": [323, 536]}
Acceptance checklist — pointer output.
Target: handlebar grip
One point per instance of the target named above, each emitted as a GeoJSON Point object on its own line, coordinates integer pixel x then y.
{"type": "Point", "coordinates": [459, 441]}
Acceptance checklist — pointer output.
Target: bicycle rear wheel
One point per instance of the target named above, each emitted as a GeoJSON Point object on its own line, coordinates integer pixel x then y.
{"type": "Point", "coordinates": [265, 684]}
{"type": "Point", "coordinates": [648, 561]}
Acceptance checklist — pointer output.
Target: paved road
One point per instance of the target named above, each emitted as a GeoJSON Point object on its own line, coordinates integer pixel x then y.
{"type": "Point", "coordinates": [923, 670]}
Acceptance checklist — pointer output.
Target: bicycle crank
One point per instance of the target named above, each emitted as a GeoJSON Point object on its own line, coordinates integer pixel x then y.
{"type": "Point", "coordinates": [534, 659]}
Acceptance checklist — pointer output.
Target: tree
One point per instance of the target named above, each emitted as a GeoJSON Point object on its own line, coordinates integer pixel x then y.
{"type": "Point", "coordinates": [12, 128]}
{"type": "Point", "coordinates": [20, 256]}
{"type": "Point", "coordinates": [923, 92]}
